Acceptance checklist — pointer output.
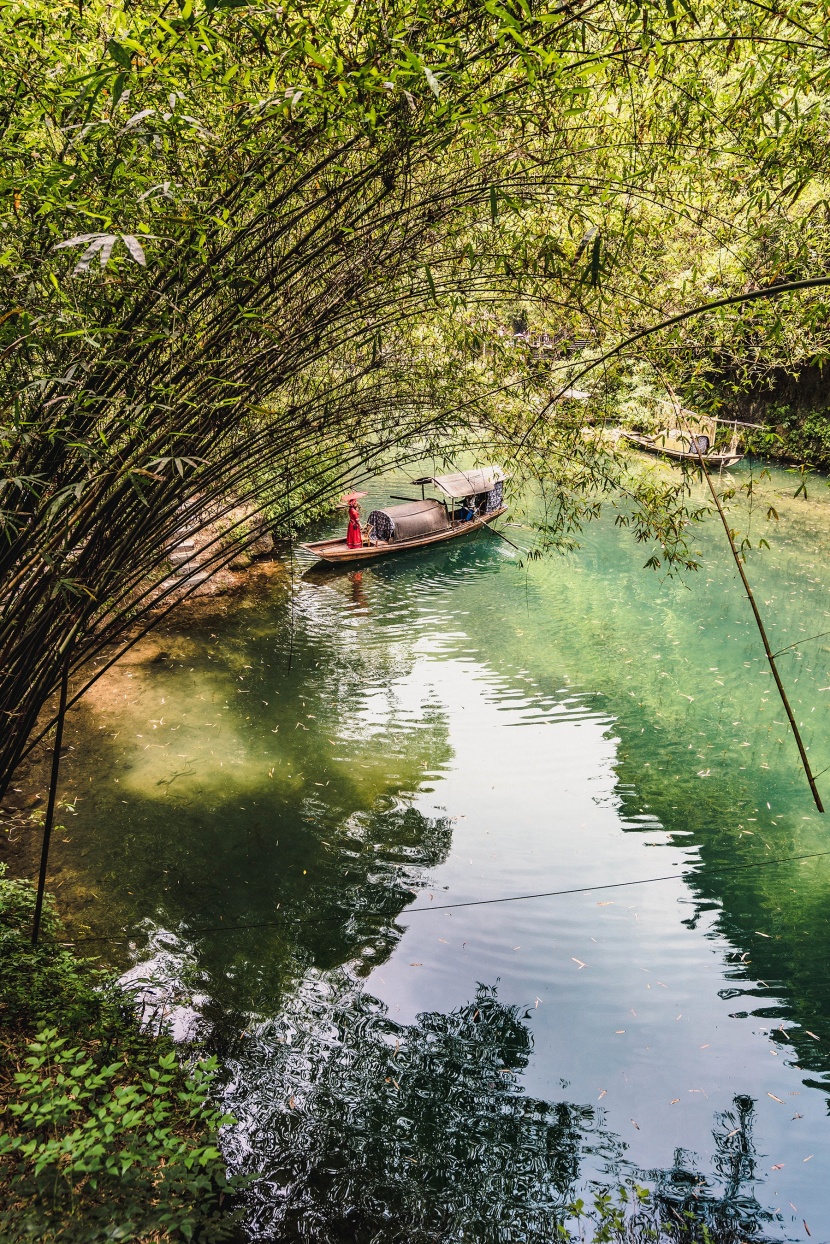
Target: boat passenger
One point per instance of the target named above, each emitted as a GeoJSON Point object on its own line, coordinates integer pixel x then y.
{"type": "Point", "coordinates": [467, 511]}
{"type": "Point", "coordinates": [354, 536]}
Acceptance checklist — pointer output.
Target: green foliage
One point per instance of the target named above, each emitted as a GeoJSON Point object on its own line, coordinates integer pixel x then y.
{"type": "Point", "coordinates": [38, 983]}
{"type": "Point", "coordinates": [92, 1152]}
{"type": "Point", "coordinates": [796, 434]}
{"type": "Point", "coordinates": [631, 1214]}
{"type": "Point", "coordinates": [106, 1134]}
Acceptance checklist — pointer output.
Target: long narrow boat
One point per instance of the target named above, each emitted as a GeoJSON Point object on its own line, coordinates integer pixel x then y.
{"type": "Point", "coordinates": [421, 523]}
{"type": "Point", "coordinates": [654, 445]}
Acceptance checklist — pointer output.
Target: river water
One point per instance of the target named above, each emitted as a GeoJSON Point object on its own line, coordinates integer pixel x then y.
{"type": "Point", "coordinates": [334, 813]}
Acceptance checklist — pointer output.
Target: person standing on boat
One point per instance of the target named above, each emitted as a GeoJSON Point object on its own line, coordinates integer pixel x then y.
{"type": "Point", "coordinates": [354, 536]}
{"type": "Point", "coordinates": [354, 539]}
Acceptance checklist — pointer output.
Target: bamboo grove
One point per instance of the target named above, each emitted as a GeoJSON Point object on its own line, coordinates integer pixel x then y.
{"type": "Point", "coordinates": [250, 252]}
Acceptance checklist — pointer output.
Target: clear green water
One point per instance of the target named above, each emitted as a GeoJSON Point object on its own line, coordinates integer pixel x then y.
{"type": "Point", "coordinates": [456, 727]}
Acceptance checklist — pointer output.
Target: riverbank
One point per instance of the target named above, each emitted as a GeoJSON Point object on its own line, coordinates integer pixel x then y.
{"type": "Point", "coordinates": [107, 1132]}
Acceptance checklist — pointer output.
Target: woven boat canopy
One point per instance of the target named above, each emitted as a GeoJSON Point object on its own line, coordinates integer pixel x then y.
{"type": "Point", "coordinates": [466, 483]}
{"type": "Point", "coordinates": [405, 522]}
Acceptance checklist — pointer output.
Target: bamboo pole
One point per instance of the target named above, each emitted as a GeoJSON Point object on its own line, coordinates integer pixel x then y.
{"type": "Point", "coordinates": [50, 807]}
{"type": "Point", "coordinates": [500, 535]}
{"type": "Point", "coordinates": [802, 751]}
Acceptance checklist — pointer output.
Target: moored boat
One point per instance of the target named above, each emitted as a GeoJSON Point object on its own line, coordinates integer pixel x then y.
{"type": "Point", "coordinates": [690, 437]}
{"type": "Point", "coordinates": [683, 450]}
{"type": "Point", "coordinates": [424, 521]}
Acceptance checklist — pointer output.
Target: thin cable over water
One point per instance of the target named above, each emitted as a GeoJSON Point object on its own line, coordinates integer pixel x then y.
{"type": "Point", "coordinates": [483, 902]}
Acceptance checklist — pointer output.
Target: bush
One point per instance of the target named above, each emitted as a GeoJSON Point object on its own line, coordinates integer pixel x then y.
{"type": "Point", "coordinates": [106, 1134]}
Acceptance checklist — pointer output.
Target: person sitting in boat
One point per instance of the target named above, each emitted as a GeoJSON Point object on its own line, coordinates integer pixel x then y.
{"type": "Point", "coordinates": [467, 511]}
{"type": "Point", "coordinates": [354, 536]}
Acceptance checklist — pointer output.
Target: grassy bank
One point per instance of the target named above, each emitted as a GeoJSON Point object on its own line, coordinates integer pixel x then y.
{"type": "Point", "coordinates": [105, 1133]}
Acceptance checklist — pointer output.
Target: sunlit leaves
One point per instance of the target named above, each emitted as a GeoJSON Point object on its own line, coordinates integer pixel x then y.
{"type": "Point", "coordinates": [101, 245]}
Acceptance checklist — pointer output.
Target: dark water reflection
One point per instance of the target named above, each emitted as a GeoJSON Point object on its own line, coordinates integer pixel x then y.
{"type": "Point", "coordinates": [376, 1130]}
{"type": "Point", "coordinates": [457, 728]}
{"type": "Point", "coordinates": [359, 1128]}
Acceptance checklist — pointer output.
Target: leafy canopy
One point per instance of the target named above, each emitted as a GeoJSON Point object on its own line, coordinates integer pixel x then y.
{"type": "Point", "coordinates": [249, 251]}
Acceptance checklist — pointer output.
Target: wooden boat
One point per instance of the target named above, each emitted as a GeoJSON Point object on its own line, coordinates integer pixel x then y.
{"type": "Point", "coordinates": [665, 445]}
{"type": "Point", "coordinates": [421, 523]}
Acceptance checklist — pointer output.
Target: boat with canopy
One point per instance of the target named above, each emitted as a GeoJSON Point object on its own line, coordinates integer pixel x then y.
{"type": "Point", "coordinates": [470, 500]}
{"type": "Point", "coordinates": [696, 438]}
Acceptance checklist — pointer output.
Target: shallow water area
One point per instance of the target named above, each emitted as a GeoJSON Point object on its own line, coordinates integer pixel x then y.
{"type": "Point", "coordinates": [341, 816]}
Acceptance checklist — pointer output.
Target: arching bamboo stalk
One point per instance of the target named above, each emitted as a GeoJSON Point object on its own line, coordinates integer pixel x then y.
{"type": "Point", "coordinates": [50, 807]}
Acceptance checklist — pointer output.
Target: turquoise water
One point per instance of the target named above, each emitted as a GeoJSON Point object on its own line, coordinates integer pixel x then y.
{"type": "Point", "coordinates": [285, 806]}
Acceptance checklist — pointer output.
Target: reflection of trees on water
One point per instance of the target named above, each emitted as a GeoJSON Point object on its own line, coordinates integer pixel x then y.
{"type": "Point", "coordinates": [342, 911]}
{"type": "Point", "coordinates": [317, 870]}
{"type": "Point", "coordinates": [781, 972]}
{"type": "Point", "coordinates": [362, 1129]}
{"type": "Point", "coordinates": [302, 850]}
{"type": "Point", "coordinates": [267, 926]}
{"type": "Point", "coordinates": [365, 1129]}
{"type": "Point", "coordinates": [725, 1203]}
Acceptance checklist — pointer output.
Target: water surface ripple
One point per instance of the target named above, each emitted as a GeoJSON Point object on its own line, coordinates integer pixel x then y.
{"type": "Point", "coordinates": [463, 726]}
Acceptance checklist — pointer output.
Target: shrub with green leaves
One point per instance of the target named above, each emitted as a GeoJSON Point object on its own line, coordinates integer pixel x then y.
{"type": "Point", "coordinates": [106, 1135]}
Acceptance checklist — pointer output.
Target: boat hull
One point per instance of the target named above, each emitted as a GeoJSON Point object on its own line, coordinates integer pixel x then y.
{"type": "Point", "coordinates": [338, 552]}
{"type": "Point", "coordinates": [682, 455]}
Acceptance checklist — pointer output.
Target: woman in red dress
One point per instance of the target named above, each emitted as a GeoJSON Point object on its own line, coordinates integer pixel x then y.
{"type": "Point", "coordinates": [354, 539]}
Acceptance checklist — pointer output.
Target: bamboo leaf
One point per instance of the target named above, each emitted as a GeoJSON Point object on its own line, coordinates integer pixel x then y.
{"type": "Point", "coordinates": [80, 239]}
{"type": "Point", "coordinates": [137, 118]}
{"type": "Point", "coordinates": [434, 84]}
{"type": "Point", "coordinates": [135, 248]}
{"type": "Point", "coordinates": [89, 254]}
{"type": "Point", "coordinates": [106, 249]}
